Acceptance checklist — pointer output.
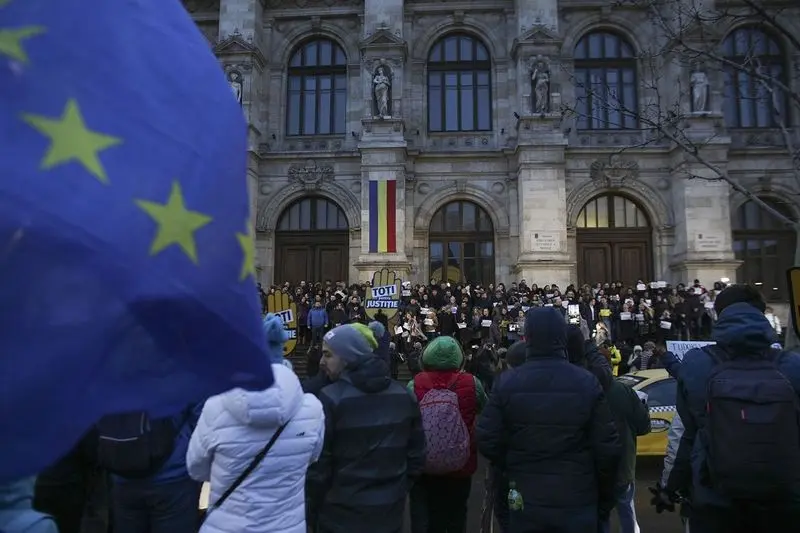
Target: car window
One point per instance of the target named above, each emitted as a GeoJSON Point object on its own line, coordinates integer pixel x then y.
{"type": "Point", "coordinates": [661, 393]}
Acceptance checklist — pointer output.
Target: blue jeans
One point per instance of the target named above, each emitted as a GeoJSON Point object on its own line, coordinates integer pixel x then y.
{"type": "Point", "coordinates": [146, 507]}
{"type": "Point", "coordinates": [626, 511]}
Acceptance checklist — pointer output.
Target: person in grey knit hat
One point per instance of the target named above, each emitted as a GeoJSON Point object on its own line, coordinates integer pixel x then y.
{"type": "Point", "coordinates": [346, 346]}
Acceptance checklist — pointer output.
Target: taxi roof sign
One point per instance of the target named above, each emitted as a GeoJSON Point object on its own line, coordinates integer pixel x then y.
{"type": "Point", "coordinates": [793, 277]}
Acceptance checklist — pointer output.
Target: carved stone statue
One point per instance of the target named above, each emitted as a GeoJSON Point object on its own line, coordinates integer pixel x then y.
{"type": "Point", "coordinates": [540, 85]}
{"type": "Point", "coordinates": [699, 82]}
{"type": "Point", "coordinates": [381, 87]}
{"type": "Point", "coordinates": [235, 81]}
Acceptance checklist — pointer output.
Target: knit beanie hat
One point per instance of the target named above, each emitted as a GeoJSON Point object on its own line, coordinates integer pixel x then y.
{"type": "Point", "coordinates": [377, 328]}
{"type": "Point", "coordinates": [352, 343]}
{"type": "Point", "coordinates": [276, 336]}
{"type": "Point", "coordinates": [443, 353]}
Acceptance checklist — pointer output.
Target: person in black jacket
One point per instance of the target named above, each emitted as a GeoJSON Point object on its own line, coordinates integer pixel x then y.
{"type": "Point", "coordinates": [374, 442]}
{"type": "Point", "coordinates": [549, 426]}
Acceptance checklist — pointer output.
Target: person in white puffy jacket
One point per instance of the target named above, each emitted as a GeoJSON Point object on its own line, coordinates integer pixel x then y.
{"type": "Point", "coordinates": [234, 427]}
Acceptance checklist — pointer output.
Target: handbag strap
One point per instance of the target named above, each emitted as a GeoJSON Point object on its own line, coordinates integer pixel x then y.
{"type": "Point", "coordinates": [249, 470]}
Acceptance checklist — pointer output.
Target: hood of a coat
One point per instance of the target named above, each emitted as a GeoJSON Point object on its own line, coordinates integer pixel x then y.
{"type": "Point", "coordinates": [545, 332]}
{"type": "Point", "coordinates": [743, 330]}
{"type": "Point", "coordinates": [268, 408]}
{"type": "Point", "coordinates": [17, 494]}
{"type": "Point", "coordinates": [369, 375]}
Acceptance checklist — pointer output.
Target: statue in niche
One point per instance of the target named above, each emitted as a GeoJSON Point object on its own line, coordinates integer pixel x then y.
{"type": "Point", "coordinates": [699, 83]}
{"type": "Point", "coordinates": [540, 85]}
{"type": "Point", "coordinates": [382, 87]}
{"type": "Point", "coordinates": [235, 81]}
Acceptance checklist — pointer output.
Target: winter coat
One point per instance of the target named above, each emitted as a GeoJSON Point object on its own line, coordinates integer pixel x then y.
{"type": "Point", "coordinates": [233, 428]}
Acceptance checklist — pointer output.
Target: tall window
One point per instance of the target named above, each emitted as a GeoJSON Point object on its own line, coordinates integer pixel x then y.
{"type": "Point", "coordinates": [765, 244]}
{"type": "Point", "coordinates": [317, 99]}
{"type": "Point", "coordinates": [459, 85]}
{"type": "Point", "coordinates": [751, 98]}
{"type": "Point", "coordinates": [462, 244]}
{"type": "Point", "coordinates": [610, 211]}
{"type": "Point", "coordinates": [605, 82]}
{"type": "Point", "coordinates": [313, 214]}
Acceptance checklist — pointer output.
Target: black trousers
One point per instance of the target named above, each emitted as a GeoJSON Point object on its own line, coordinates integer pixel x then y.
{"type": "Point", "coordinates": [439, 504]}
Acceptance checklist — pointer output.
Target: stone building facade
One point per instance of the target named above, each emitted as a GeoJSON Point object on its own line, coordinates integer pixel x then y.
{"type": "Point", "coordinates": [491, 179]}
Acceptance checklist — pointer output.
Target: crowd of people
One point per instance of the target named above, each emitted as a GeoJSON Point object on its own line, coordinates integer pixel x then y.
{"type": "Point", "coordinates": [630, 323]}
{"type": "Point", "coordinates": [346, 448]}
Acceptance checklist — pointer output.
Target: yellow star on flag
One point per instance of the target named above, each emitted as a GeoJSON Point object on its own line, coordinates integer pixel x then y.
{"type": "Point", "coordinates": [176, 224]}
{"type": "Point", "coordinates": [71, 140]}
{"type": "Point", "coordinates": [248, 245]}
{"type": "Point", "coordinates": [11, 41]}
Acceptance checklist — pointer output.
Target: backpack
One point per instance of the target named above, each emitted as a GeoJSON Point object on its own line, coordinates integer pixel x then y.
{"type": "Point", "coordinates": [132, 445]}
{"type": "Point", "coordinates": [752, 428]}
{"type": "Point", "coordinates": [446, 435]}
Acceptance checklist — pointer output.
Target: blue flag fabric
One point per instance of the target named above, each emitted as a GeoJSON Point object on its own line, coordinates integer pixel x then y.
{"type": "Point", "coordinates": [126, 261]}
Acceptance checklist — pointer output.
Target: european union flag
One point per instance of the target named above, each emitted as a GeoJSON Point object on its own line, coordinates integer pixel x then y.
{"type": "Point", "coordinates": [126, 257]}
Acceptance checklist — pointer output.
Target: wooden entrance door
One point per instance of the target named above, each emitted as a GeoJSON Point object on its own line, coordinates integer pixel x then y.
{"type": "Point", "coordinates": [311, 257]}
{"type": "Point", "coordinates": [611, 255]}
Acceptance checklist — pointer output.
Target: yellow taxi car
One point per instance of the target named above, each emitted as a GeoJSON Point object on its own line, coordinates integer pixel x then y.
{"type": "Point", "coordinates": [661, 389]}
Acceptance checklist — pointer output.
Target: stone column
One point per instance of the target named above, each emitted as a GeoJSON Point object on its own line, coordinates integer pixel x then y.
{"type": "Point", "coordinates": [241, 50]}
{"type": "Point", "coordinates": [702, 246]}
{"type": "Point", "coordinates": [382, 143]}
{"type": "Point", "coordinates": [541, 193]}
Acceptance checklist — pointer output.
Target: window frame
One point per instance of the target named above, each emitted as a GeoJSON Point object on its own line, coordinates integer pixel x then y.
{"type": "Point", "coordinates": [732, 82]}
{"type": "Point", "coordinates": [582, 70]}
{"type": "Point", "coordinates": [610, 198]}
{"type": "Point", "coordinates": [313, 70]}
{"type": "Point", "coordinates": [462, 237]}
{"type": "Point", "coordinates": [313, 207]}
{"type": "Point", "coordinates": [440, 69]}
{"type": "Point", "coordinates": [785, 240]}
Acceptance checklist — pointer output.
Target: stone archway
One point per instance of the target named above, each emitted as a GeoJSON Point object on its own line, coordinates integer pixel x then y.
{"type": "Point", "coordinates": [269, 209]}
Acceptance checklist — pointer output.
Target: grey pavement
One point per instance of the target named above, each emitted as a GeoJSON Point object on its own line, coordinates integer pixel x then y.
{"type": "Point", "coordinates": [647, 473]}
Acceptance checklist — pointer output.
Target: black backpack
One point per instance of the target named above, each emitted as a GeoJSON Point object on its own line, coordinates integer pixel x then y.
{"type": "Point", "coordinates": [752, 428]}
{"type": "Point", "coordinates": [132, 445]}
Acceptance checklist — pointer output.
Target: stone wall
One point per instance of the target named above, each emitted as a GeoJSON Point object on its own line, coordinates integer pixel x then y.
{"type": "Point", "coordinates": [532, 173]}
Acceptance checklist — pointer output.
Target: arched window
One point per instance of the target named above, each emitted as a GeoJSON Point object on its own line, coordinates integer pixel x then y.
{"type": "Point", "coordinates": [765, 245]}
{"type": "Point", "coordinates": [459, 85]}
{"type": "Point", "coordinates": [605, 82]}
{"type": "Point", "coordinates": [313, 214]}
{"type": "Point", "coordinates": [317, 85]}
{"type": "Point", "coordinates": [462, 244]}
{"type": "Point", "coordinates": [752, 100]}
{"type": "Point", "coordinates": [611, 211]}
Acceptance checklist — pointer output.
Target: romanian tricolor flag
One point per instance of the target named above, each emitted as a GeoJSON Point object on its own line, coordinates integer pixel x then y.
{"type": "Point", "coordinates": [382, 216]}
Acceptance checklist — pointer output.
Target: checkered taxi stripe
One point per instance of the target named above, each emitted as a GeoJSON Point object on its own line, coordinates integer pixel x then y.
{"type": "Point", "coordinates": [662, 409]}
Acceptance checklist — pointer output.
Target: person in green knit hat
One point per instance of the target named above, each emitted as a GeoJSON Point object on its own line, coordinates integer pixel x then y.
{"type": "Point", "coordinates": [450, 401]}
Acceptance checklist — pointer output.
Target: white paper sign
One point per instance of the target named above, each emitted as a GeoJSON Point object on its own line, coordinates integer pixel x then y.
{"type": "Point", "coordinates": [709, 305]}
{"type": "Point", "coordinates": [486, 323]}
{"type": "Point", "coordinates": [639, 317]}
{"type": "Point", "coordinates": [424, 310]}
{"type": "Point", "coordinates": [641, 287]}
{"type": "Point", "coordinates": [398, 330]}
{"type": "Point", "coordinates": [406, 292]}
{"type": "Point", "coordinates": [679, 348]}
{"type": "Point", "coordinates": [666, 325]}
{"type": "Point", "coordinates": [461, 325]}
{"type": "Point", "coordinates": [698, 291]}
{"type": "Point", "coordinates": [624, 316]}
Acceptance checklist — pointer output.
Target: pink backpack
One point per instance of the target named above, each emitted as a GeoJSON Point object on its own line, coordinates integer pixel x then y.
{"type": "Point", "coordinates": [446, 434]}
